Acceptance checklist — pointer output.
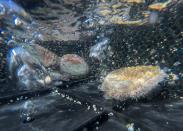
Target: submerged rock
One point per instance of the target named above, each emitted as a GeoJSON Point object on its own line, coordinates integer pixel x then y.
{"type": "Point", "coordinates": [19, 56]}
{"type": "Point", "coordinates": [34, 66]}
{"type": "Point", "coordinates": [24, 67]}
{"type": "Point", "coordinates": [159, 6]}
{"type": "Point", "coordinates": [128, 12]}
{"type": "Point", "coordinates": [30, 78]}
{"type": "Point", "coordinates": [47, 57]}
{"type": "Point", "coordinates": [132, 82]}
{"type": "Point", "coordinates": [73, 66]}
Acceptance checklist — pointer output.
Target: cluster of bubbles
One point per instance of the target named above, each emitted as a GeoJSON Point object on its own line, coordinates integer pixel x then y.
{"type": "Point", "coordinates": [132, 15]}
{"type": "Point", "coordinates": [123, 12]}
{"type": "Point", "coordinates": [34, 66]}
{"type": "Point", "coordinates": [28, 111]}
{"type": "Point", "coordinates": [16, 26]}
{"type": "Point", "coordinates": [98, 50]}
{"type": "Point", "coordinates": [31, 108]}
{"type": "Point", "coordinates": [31, 65]}
{"type": "Point", "coordinates": [38, 67]}
{"type": "Point", "coordinates": [28, 70]}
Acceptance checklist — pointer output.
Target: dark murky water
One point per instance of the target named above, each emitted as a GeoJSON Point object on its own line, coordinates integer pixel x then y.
{"type": "Point", "coordinates": [76, 26]}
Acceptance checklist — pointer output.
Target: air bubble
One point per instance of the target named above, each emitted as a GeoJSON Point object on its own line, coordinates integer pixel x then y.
{"type": "Point", "coordinates": [28, 112]}
{"type": "Point", "coordinates": [18, 22]}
